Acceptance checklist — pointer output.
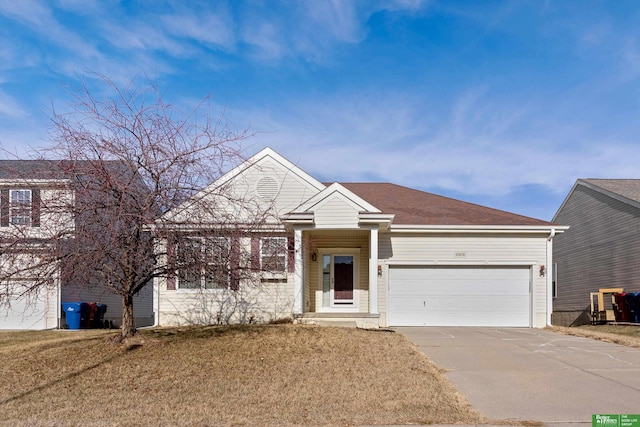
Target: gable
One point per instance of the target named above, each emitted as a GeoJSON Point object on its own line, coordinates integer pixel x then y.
{"type": "Point", "coordinates": [613, 192]}
{"type": "Point", "coordinates": [336, 211]}
{"type": "Point", "coordinates": [266, 186]}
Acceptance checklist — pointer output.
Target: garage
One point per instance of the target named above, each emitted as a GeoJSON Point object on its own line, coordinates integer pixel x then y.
{"type": "Point", "coordinates": [459, 296]}
{"type": "Point", "coordinates": [24, 312]}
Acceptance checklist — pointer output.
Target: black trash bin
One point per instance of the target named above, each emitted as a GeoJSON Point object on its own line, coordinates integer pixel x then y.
{"type": "Point", "coordinates": [98, 317]}
{"type": "Point", "coordinates": [633, 302]}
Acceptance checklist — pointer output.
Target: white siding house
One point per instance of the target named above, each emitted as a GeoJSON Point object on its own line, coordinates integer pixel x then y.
{"type": "Point", "coordinates": [371, 254]}
{"type": "Point", "coordinates": [36, 199]}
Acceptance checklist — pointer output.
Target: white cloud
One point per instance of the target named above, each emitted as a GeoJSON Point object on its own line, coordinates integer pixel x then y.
{"type": "Point", "coordinates": [205, 27]}
{"type": "Point", "coordinates": [40, 19]}
{"type": "Point", "coordinates": [480, 147]}
{"type": "Point", "coordinates": [10, 107]}
{"type": "Point", "coordinates": [266, 38]}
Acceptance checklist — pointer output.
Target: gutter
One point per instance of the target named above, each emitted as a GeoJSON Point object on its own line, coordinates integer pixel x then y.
{"type": "Point", "coordinates": [480, 229]}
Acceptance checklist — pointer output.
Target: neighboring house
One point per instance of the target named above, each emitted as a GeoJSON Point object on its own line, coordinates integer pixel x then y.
{"type": "Point", "coordinates": [35, 200]}
{"type": "Point", "coordinates": [602, 247]}
{"type": "Point", "coordinates": [371, 254]}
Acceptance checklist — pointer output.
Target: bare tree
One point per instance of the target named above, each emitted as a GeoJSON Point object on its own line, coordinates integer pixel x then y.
{"type": "Point", "coordinates": [131, 158]}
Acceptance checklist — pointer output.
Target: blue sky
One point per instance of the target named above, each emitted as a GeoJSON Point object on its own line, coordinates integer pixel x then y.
{"type": "Point", "coordinates": [501, 103]}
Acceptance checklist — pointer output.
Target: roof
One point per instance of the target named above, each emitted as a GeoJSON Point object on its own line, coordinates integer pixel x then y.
{"type": "Point", "coordinates": [628, 188]}
{"type": "Point", "coordinates": [415, 207]}
{"type": "Point", "coordinates": [32, 169]}
{"type": "Point", "coordinates": [57, 169]}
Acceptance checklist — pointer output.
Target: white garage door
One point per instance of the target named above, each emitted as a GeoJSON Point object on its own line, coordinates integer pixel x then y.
{"type": "Point", "coordinates": [459, 296]}
{"type": "Point", "coordinates": [24, 313]}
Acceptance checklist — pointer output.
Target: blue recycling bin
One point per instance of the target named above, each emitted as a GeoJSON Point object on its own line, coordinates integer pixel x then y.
{"type": "Point", "coordinates": [73, 312]}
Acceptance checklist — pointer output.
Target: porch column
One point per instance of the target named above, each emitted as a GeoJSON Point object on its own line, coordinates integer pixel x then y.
{"type": "Point", "coordinates": [373, 270]}
{"type": "Point", "coordinates": [298, 300]}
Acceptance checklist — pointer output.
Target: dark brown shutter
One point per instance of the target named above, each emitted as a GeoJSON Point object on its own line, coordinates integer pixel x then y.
{"type": "Point", "coordinates": [255, 253]}
{"type": "Point", "coordinates": [4, 207]}
{"type": "Point", "coordinates": [171, 264]}
{"type": "Point", "coordinates": [234, 264]}
{"type": "Point", "coordinates": [35, 207]}
{"type": "Point", "coordinates": [291, 254]}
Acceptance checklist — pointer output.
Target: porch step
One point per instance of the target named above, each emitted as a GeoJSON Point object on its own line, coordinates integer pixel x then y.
{"type": "Point", "coordinates": [345, 320]}
{"type": "Point", "coordinates": [338, 323]}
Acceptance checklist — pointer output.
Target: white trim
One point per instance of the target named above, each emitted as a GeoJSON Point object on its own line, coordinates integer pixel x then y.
{"type": "Point", "coordinates": [549, 278]}
{"type": "Point", "coordinates": [446, 263]}
{"type": "Point", "coordinates": [532, 229]}
{"type": "Point", "coordinates": [373, 271]}
{"type": "Point", "coordinates": [33, 182]}
{"type": "Point", "coordinates": [298, 285]}
{"type": "Point", "coordinates": [267, 152]}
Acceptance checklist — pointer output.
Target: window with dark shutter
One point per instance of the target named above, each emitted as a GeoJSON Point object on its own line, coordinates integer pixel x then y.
{"type": "Point", "coordinates": [35, 207]}
{"type": "Point", "coordinates": [291, 254]}
{"type": "Point", "coordinates": [203, 263]}
{"type": "Point", "coordinates": [273, 254]}
{"type": "Point", "coordinates": [20, 207]}
{"type": "Point", "coordinates": [171, 265]}
{"type": "Point", "coordinates": [255, 253]}
{"type": "Point", "coordinates": [234, 264]}
{"type": "Point", "coordinates": [4, 207]}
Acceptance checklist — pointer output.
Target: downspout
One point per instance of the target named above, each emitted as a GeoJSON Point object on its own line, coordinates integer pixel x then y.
{"type": "Point", "coordinates": [58, 300]}
{"type": "Point", "coordinates": [549, 276]}
{"type": "Point", "coordinates": [156, 303]}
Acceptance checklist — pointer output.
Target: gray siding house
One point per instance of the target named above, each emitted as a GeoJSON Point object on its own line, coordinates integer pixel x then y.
{"type": "Point", "coordinates": [600, 250]}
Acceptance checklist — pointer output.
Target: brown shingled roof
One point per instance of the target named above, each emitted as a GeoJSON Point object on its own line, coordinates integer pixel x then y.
{"type": "Point", "coordinates": [415, 207]}
{"type": "Point", "coordinates": [629, 188]}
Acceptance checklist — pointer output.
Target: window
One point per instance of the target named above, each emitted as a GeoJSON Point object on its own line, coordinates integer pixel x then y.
{"type": "Point", "coordinates": [20, 207]}
{"type": "Point", "coordinates": [203, 263]}
{"type": "Point", "coordinates": [274, 254]}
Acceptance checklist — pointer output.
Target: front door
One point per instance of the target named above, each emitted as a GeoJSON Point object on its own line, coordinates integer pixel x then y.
{"type": "Point", "coordinates": [338, 279]}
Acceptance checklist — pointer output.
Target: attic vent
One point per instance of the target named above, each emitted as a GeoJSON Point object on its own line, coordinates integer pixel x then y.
{"type": "Point", "coordinates": [267, 188]}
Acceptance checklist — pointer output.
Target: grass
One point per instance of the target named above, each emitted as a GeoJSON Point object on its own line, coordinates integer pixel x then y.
{"type": "Point", "coordinates": [619, 334]}
{"type": "Point", "coordinates": [252, 375]}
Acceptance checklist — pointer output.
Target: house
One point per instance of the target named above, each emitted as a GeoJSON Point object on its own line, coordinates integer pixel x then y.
{"type": "Point", "coordinates": [370, 254]}
{"type": "Point", "coordinates": [601, 249]}
{"type": "Point", "coordinates": [38, 222]}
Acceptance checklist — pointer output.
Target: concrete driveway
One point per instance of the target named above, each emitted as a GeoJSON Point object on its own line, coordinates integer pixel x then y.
{"type": "Point", "coordinates": [532, 374]}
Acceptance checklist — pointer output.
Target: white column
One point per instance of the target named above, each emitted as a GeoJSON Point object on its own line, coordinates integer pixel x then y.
{"type": "Point", "coordinates": [549, 276]}
{"type": "Point", "coordinates": [373, 270]}
{"type": "Point", "coordinates": [298, 300]}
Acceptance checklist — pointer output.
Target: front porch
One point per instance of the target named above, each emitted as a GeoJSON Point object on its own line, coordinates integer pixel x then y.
{"type": "Point", "coordinates": [338, 284]}
{"type": "Point", "coordinates": [336, 257]}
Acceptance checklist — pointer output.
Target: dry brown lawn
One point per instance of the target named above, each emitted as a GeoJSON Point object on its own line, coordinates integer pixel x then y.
{"type": "Point", "coordinates": [253, 375]}
{"type": "Point", "coordinates": [619, 334]}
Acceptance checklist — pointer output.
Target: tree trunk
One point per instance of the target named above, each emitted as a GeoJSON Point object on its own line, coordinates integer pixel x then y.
{"type": "Point", "coordinates": [128, 325]}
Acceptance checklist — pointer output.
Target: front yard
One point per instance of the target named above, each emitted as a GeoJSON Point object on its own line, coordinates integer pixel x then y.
{"type": "Point", "coordinates": [253, 375]}
{"type": "Point", "coordinates": [628, 335]}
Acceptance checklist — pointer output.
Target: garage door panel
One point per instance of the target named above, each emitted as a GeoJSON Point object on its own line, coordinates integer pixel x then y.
{"type": "Point", "coordinates": [454, 296]}
{"type": "Point", "coordinates": [24, 313]}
